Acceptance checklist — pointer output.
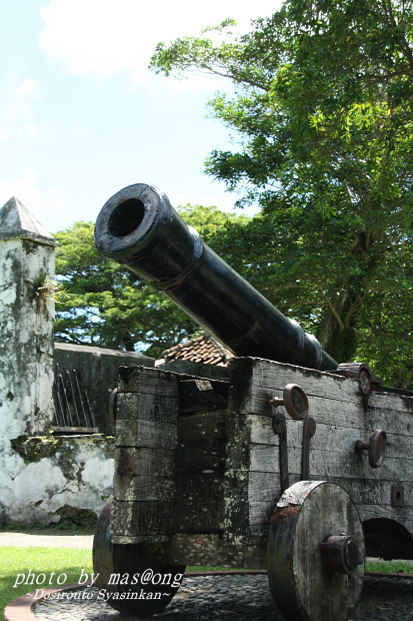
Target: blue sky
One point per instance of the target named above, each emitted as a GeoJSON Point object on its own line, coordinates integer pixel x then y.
{"type": "Point", "coordinates": [81, 116]}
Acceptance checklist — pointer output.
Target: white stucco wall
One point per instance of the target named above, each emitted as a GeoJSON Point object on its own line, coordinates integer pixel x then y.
{"type": "Point", "coordinates": [77, 473]}
{"type": "Point", "coordinates": [26, 346]}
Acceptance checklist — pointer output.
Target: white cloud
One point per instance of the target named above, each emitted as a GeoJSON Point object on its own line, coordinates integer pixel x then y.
{"type": "Point", "coordinates": [25, 188]}
{"type": "Point", "coordinates": [17, 117]}
{"type": "Point", "coordinates": [44, 204]}
{"type": "Point", "coordinates": [98, 38]}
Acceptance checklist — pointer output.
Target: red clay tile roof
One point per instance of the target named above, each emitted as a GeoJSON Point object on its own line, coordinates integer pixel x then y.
{"type": "Point", "coordinates": [203, 349]}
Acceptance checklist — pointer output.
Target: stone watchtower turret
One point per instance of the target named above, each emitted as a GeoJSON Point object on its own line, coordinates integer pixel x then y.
{"type": "Point", "coordinates": [26, 323]}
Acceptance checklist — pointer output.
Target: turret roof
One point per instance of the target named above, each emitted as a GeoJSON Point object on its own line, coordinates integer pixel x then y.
{"type": "Point", "coordinates": [16, 222]}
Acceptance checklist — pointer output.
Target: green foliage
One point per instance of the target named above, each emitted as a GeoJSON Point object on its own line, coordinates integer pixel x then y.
{"type": "Point", "coordinates": [101, 303]}
{"type": "Point", "coordinates": [323, 107]}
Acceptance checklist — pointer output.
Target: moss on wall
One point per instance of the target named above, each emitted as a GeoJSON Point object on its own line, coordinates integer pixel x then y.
{"type": "Point", "coordinates": [72, 518]}
{"type": "Point", "coordinates": [33, 449]}
{"type": "Point", "coordinates": [64, 479]}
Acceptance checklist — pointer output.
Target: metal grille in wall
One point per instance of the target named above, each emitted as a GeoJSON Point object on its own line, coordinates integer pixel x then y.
{"type": "Point", "coordinates": [72, 411]}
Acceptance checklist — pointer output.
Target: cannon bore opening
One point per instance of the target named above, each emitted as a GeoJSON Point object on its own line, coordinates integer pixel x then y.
{"type": "Point", "coordinates": [127, 217]}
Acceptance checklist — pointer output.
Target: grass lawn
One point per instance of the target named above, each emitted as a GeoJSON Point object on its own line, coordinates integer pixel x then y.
{"type": "Point", "coordinates": [14, 561]}
{"type": "Point", "coordinates": [53, 563]}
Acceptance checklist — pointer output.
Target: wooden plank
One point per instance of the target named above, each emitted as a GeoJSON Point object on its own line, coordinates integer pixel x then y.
{"type": "Point", "coordinates": [199, 505]}
{"type": "Point", "coordinates": [143, 406]}
{"type": "Point", "coordinates": [146, 440]}
{"type": "Point", "coordinates": [370, 512]}
{"type": "Point", "coordinates": [331, 458]}
{"type": "Point", "coordinates": [201, 443]}
{"type": "Point", "coordinates": [254, 381]}
{"type": "Point", "coordinates": [338, 416]}
{"type": "Point", "coordinates": [157, 541]}
{"type": "Point", "coordinates": [391, 401]}
{"type": "Point", "coordinates": [326, 464]}
{"type": "Point", "coordinates": [145, 434]}
{"type": "Point", "coordinates": [400, 422]}
{"type": "Point", "coordinates": [377, 493]}
{"type": "Point", "coordinates": [140, 519]}
{"type": "Point", "coordinates": [236, 508]}
{"type": "Point", "coordinates": [341, 420]}
{"type": "Point", "coordinates": [373, 499]}
{"type": "Point", "coordinates": [201, 456]}
{"type": "Point", "coordinates": [330, 463]}
{"type": "Point", "coordinates": [197, 549]}
{"type": "Point", "coordinates": [265, 487]}
{"type": "Point", "coordinates": [143, 488]}
{"type": "Point", "coordinates": [236, 476]}
{"type": "Point", "coordinates": [147, 380]}
{"type": "Point", "coordinates": [264, 457]}
{"type": "Point", "coordinates": [200, 465]}
{"type": "Point", "coordinates": [259, 517]}
{"type": "Point", "coordinates": [200, 427]}
{"type": "Point", "coordinates": [141, 461]}
{"type": "Point", "coordinates": [238, 439]}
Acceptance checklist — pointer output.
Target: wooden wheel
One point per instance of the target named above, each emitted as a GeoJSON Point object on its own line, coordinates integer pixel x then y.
{"type": "Point", "coordinates": [315, 552]}
{"type": "Point", "coordinates": [129, 581]}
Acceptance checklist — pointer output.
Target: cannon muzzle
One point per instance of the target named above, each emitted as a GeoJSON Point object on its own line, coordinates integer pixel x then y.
{"type": "Point", "coordinates": [139, 228]}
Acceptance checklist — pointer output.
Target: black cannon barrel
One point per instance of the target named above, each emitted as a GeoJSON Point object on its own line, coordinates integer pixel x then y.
{"type": "Point", "coordinates": [139, 228]}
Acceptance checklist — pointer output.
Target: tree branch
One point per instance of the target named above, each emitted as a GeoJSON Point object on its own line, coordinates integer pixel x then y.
{"type": "Point", "coordinates": [336, 315]}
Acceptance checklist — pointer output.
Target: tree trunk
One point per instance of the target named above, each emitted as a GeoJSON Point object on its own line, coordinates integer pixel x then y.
{"type": "Point", "coordinates": [336, 335]}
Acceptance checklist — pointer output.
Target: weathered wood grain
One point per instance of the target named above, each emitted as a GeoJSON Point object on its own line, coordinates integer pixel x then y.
{"type": "Point", "coordinates": [381, 399]}
{"type": "Point", "coordinates": [147, 380]}
{"type": "Point", "coordinates": [299, 581]}
{"type": "Point", "coordinates": [328, 440]}
{"type": "Point", "coordinates": [346, 417]}
{"type": "Point", "coordinates": [134, 461]}
{"type": "Point", "coordinates": [144, 474]}
{"type": "Point", "coordinates": [140, 519]}
{"type": "Point", "coordinates": [200, 465]}
{"type": "Point", "coordinates": [145, 433]}
{"type": "Point", "coordinates": [200, 456]}
{"type": "Point", "coordinates": [156, 408]}
{"type": "Point", "coordinates": [146, 440]}
{"type": "Point", "coordinates": [378, 494]}
{"type": "Point", "coordinates": [199, 505]}
{"type": "Point", "coordinates": [371, 502]}
{"type": "Point", "coordinates": [202, 427]}
{"type": "Point", "coordinates": [144, 488]}
{"type": "Point", "coordinates": [402, 516]}
{"type": "Point", "coordinates": [212, 477]}
{"type": "Point", "coordinates": [255, 380]}
{"type": "Point", "coordinates": [337, 407]}
{"type": "Point", "coordinates": [236, 504]}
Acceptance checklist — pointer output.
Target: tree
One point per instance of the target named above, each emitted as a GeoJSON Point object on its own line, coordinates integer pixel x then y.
{"type": "Point", "coordinates": [101, 303]}
{"type": "Point", "coordinates": [323, 107]}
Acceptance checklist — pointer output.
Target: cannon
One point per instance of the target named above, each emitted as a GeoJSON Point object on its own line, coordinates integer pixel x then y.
{"type": "Point", "coordinates": [290, 463]}
{"type": "Point", "coordinates": [139, 228]}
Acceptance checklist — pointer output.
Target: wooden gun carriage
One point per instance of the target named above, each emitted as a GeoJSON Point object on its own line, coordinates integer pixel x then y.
{"type": "Point", "coordinates": [283, 461]}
